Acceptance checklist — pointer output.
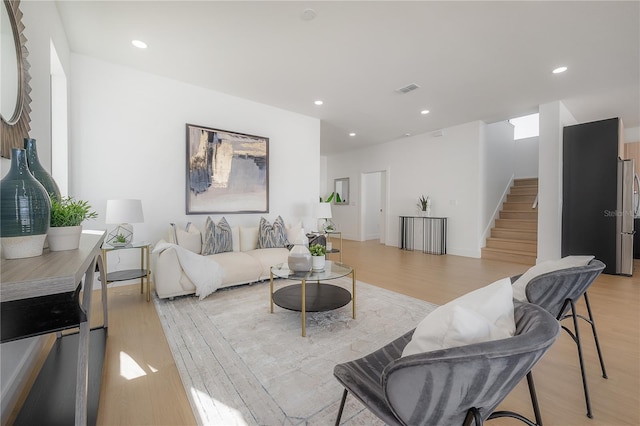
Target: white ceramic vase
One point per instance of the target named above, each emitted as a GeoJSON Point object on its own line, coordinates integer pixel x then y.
{"type": "Point", "coordinates": [64, 237]}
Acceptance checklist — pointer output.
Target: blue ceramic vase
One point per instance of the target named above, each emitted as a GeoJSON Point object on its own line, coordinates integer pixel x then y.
{"type": "Point", "coordinates": [25, 210]}
{"type": "Point", "coordinates": [39, 172]}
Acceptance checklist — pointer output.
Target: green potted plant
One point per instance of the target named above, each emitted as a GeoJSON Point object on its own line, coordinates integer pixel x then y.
{"type": "Point", "coordinates": [330, 198]}
{"type": "Point", "coordinates": [67, 215]}
{"type": "Point", "coordinates": [318, 256]}
{"type": "Point", "coordinates": [119, 240]}
{"type": "Point", "coordinates": [424, 205]}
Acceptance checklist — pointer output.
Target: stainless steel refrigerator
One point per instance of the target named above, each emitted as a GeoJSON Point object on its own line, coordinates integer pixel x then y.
{"type": "Point", "coordinates": [597, 195]}
{"type": "Point", "coordinates": [624, 217]}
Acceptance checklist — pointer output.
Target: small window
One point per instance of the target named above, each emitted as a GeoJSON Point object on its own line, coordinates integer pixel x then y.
{"type": "Point", "coordinates": [526, 126]}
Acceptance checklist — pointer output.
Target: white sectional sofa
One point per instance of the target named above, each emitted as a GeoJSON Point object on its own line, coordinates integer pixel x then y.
{"type": "Point", "coordinates": [245, 264]}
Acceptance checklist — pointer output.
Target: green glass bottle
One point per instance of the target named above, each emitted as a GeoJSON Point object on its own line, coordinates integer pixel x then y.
{"type": "Point", "coordinates": [39, 172]}
{"type": "Point", "coordinates": [25, 210]}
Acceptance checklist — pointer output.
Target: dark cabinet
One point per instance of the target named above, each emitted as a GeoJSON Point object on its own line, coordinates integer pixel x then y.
{"type": "Point", "coordinates": [589, 191]}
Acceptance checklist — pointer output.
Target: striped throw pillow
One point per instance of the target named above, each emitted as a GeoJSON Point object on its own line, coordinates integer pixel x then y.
{"type": "Point", "coordinates": [272, 236]}
{"type": "Point", "coordinates": [217, 238]}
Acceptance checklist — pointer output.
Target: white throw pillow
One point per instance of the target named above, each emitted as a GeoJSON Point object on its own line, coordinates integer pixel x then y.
{"type": "Point", "coordinates": [519, 287]}
{"type": "Point", "coordinates": [235, 238]}
{"type": "Point", "coordinates": [248, 238]}
{"type": "Point", "coordinates": [190, 238]}
{"type": "Point", "coordinates": [480, 316]}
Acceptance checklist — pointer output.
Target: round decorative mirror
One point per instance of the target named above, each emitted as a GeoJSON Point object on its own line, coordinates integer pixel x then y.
{"type": "Point", "coordinates": [14, 80]}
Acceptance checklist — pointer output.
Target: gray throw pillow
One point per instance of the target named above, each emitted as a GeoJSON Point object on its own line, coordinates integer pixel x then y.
{"type": "Point", "coordinates": [217, 238]}
{"type": "Point", "coordinates": [272, 236]}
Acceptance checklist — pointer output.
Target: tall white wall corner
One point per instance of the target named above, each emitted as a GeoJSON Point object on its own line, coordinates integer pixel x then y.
{"type": "Point", "coordinates": [554, 116]}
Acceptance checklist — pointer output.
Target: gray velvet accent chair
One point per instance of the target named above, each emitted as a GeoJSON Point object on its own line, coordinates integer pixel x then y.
{"type": "Point", "coordinates": [456, 386]}
{"type": "Point", "coordinates": [558, 292]}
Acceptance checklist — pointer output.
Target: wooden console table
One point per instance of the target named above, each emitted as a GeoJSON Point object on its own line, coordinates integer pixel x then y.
{"type": "Point", "coordinates": [434, 233]}
{"type": "Point", "coordinates": [41, 295]}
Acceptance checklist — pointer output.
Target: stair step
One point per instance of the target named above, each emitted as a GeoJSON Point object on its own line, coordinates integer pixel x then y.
{"type": "Point", "coordinates": [525, 182]}
{"type": "Point", "coordinates": [520, 206]}
{"type": "Point", "coordinates": [508, 256]}
{"type": "Point", "coordinates": [514, 234]}
{"type": "Point", "coordinates": [524, 190]}
{"type": "Point", "coordinates": [520, 198]}
{"type": "Point", "coordinates": [513, 245]}
{"type": "Point", "coordinates": [531, 215]}
{"type": "Point", "coordinates": [531, 225]}
{"type": "Point", "coordinates": [514, 238]}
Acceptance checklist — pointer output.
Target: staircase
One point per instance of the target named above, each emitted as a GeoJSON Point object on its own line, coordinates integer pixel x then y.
{"type": "Point", "coordinates": [514, 238]}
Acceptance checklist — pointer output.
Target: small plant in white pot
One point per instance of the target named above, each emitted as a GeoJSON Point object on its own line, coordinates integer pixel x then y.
{"type": "Point", "coordinates": [67, 216]}
{"type": "Point", "coordinates": [424, 206]}
{"type": "Point", "coordinates": [318, 255]}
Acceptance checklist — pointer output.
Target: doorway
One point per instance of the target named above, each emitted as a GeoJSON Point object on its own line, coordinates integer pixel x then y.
{"type": "Point", "coordinates": [373, 212]}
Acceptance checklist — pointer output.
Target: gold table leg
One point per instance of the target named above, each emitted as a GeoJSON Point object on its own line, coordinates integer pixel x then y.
{"type": "Point", "coordinates": [353, 291]}
{"type": "Point", "coordinates": [271, 290]}
{"type": "Point", "coordinates": [304, 308]}
{"type": "Point", "coordinates": [148, 269]}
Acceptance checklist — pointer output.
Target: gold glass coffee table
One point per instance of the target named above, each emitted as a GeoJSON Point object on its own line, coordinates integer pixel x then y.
{"type": "Point", "coordinates": [312, 295]}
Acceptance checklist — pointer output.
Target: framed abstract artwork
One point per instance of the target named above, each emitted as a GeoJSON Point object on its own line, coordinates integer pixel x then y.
{"type": "Point", "coordinates": [227, 172]}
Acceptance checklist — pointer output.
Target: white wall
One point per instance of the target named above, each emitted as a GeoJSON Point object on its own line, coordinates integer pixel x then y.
{"type": "Point", "coordinates": [553, 117]}
{"type": "Point", "coordinates": [497, 154]}
{"type": "Point", "coordinates": [632, 135]}
{"type": "Point", "coordinates": [42, 28]}
{"type": "Point", "coordinates": [526, 157]}
{"type": "Point", "coordinates": [128, 141]}
{"type": "Point", "coordinates": [446, 168]}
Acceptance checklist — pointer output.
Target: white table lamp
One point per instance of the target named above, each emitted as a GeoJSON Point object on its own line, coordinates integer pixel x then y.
{"type": "Point", "coordinates": [123, 213]}
{"type": "Point", "coordinates": [323, 211]}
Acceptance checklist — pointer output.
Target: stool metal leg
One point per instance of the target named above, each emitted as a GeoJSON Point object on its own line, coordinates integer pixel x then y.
{"type": "Point", "coordinates": [344, 398]}
{"type": "Point", "coordinates": [595, 336]}
{"type": "Point", "coordinates": [575, 335]}
{"type": "Point", "coordinates": [534, 399]}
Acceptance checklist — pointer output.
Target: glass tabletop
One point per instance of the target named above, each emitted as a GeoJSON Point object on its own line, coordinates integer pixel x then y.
{"type": "Point", "coordinates": [135, 244]}
{"type": "Point", "coordinates": [332, 270]}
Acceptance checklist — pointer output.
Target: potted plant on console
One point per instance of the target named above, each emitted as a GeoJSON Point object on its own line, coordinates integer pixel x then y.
{"type": "Point", "coordinates": [67, 215]}
{"type": "Point", "coordinates": [424, 206]}
{"type": "Point", "coordinates": [318, 253]}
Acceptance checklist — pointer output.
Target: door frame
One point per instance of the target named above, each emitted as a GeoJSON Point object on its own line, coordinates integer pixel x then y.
{"type": "Point", "coordinates": [384, 204]}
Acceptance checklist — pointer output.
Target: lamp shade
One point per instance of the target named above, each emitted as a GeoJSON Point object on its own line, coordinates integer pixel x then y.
{"type": "Point", "coordinates": [324, 210]}
{"type": "Point", "coordinates": [124, 211]}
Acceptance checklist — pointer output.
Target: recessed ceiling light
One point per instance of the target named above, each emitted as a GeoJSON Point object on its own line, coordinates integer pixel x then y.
{"type": "Point", "coordinates": [318, 102]}
{"type": "Point", "coordinates": [424, 112]}
{"type": "Point", "coordinates": [139, 44]}
{"type": "Point", "coordinates": [352, 134]}
{"type": "Point", "coordinates": [559, 70]}
{"type": "Point", "coordinates": [308, 15]}
{"type": "Point", "coordinates": [407, 134]}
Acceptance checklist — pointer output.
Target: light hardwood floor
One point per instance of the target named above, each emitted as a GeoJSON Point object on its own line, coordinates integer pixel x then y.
{"type": "Point", "coordinates": [141, 385]}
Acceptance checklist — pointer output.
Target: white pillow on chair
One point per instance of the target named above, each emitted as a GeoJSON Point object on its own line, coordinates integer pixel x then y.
{"type": "Point", "coordinates": [520, 286]}
{"type": "Point", "coordinates": [480, 316]}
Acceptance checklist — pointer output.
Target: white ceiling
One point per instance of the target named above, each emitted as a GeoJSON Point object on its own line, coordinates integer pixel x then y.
{"type": "Point", "coordinates": [474, 60]}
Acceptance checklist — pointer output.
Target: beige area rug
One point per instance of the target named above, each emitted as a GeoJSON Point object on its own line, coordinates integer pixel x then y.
{"type": "Point", "coordinates": [241, 365]}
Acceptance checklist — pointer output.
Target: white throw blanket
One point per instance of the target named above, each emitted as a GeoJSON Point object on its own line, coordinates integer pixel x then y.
{"type": "Point", "coordinates": [205, 273]}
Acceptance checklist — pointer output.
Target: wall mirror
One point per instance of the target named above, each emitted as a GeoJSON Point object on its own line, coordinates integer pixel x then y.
{"type": "Point", "coordinates": [342, 191]}
{"type": "Point", "coordinates": [14, 80]}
